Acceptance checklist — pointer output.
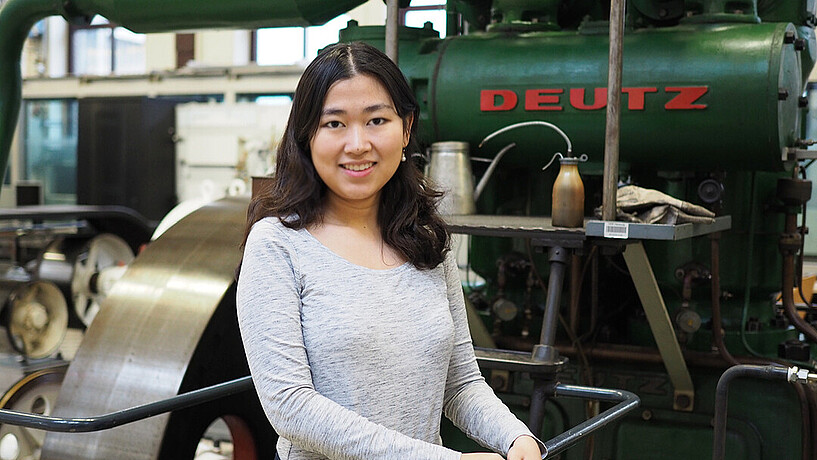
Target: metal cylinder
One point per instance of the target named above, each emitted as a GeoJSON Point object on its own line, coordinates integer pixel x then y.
{"type": "Point", "coordinates": [680, 85]}
{"type": "Point", "coordinates": [558, 265]}
{"type": "Point", "coordinates": [167, 327]}
{"type": "Point", "coordinates": [392, 22]}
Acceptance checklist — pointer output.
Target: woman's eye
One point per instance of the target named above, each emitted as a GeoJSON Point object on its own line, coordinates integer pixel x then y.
{"type": "Point", "coordinates": [377, 121]}
{"type": "Point", "coordinates": [333, 124]}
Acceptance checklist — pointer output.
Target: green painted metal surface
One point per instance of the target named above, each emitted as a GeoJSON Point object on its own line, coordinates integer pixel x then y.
{"type": "Point", "coordinates": [143, 16]}
{"type": "Point", "coordinates": [736, 85]}
{"type": "Point", "coordinates": [737, 137]}
{"type": "Point", "coordinates": [561, 78]}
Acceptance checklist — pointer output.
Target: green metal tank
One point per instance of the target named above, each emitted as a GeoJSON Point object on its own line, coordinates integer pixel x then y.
{"type": "Point", "coordinates": [680, 85]}
{"type": "Point", "coordinates": [734, 86]}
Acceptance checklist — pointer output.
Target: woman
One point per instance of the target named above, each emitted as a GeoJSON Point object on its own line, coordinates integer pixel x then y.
{"type": "Point", "coordinates": [349, 301]}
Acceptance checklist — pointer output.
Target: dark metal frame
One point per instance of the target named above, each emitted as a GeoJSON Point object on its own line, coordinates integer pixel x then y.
{"type": "Point", "coordinates": [626, 401]}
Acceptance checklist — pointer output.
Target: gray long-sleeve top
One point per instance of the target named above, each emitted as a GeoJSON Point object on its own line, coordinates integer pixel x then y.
{"type": "Point", "coordinates": [359, 364]}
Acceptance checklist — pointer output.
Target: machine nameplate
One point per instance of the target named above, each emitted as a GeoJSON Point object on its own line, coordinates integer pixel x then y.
{"type": "Point", "coordinates": [616, 230]}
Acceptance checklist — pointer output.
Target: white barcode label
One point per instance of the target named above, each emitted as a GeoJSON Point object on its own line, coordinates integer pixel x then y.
{"type": "Point", "coordinates": [616, 230]}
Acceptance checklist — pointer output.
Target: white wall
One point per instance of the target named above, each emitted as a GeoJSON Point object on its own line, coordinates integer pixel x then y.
{"type": "Point", "coordinates": [56, 37]}
{"type": "Point", "coordinates": [371, 13]}
{"type": "Point", "coordinates": [222, 47]}
{"type": "Point", "coordinates": [160, 51]}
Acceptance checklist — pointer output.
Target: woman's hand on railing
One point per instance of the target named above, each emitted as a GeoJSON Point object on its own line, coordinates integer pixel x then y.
{"type": "Point", "coordinates": [525, 448]}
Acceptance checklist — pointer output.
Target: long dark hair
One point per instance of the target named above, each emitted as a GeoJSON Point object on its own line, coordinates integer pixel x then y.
{"type": "Point", "coordinates": [407, 215]}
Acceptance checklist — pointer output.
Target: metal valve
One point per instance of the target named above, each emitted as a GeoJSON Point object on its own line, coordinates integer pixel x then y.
{"type": "Point", "coordinates": [797, 375]}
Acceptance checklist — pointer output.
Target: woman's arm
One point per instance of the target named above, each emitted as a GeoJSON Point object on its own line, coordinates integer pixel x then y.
{"type": "Point", "coordinates": [268, 302]}
{"type": "Point", "coordinates": [469, 402]}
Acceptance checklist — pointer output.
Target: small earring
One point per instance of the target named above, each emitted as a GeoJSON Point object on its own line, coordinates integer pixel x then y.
{"type": "Point", "coordinates": [404, 158]}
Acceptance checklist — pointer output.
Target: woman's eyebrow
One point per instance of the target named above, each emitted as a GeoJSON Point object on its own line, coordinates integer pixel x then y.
{"type": "Point", "coordinates": [372, 108]}
{"type": "Point", "coordinates": [331, 111]}
{"type": "Point", "coordinates": [376, 107]}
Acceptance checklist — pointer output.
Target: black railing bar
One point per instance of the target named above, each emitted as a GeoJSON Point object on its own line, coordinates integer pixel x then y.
{"type": "Point", "coordinates": [627, 401]}
{"type": "Point", "coordinates": [114, 419]}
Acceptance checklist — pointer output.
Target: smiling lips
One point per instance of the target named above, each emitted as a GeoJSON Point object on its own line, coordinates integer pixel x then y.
{"type": "Point", "coordinates": [358, 170]}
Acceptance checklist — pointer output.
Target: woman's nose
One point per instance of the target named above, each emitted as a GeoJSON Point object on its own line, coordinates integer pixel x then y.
{"type": "Point", "coordinates": [357, 141]}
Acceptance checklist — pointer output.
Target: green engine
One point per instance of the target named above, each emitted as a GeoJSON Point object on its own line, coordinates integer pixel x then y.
{"type": "Point", "coordinates": [712, 112]}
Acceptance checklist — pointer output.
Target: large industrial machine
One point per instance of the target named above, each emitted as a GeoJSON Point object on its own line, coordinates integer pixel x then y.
{"type": "Point", "coordinates": [712, 112]}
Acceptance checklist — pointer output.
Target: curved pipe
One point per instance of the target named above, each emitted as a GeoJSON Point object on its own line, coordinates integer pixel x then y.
{"type": "Point", "coordinates": [114, 419]}
{"type": "Point", "coordinates": [717, 327]}
{"type": "Point", "coordinates": [491, 167]}
{"type": "Point", "coordinates": [164, 16]}
{"type": "Point", "coordinates": [722, 398]}
{"type": "Point", "coordinates": [531, 123]}
{"type": "Point", "coordinates": [17, 17]}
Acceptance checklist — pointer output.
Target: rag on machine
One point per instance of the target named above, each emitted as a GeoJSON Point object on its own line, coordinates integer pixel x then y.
{"type": "Point", "coordinates": [646, 206]}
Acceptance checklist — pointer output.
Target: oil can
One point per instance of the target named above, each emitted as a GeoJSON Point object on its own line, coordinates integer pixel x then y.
{"type": "Point", "coordinates": [568, 195]}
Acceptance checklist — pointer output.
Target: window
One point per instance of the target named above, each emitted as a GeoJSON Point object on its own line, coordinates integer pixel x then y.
{"type": "Point", "coordinates": [266, 99]}
{"type": "Point", "coordinates": [421, 11]}
{"type": "Point", "coordinates": [49, 148]}
{"type": "Point", "coordinates": [103, 48]}
{"type": "Point", "coordinates": [293, 45]}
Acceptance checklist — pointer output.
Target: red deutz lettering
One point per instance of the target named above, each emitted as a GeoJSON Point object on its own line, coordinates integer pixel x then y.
{"type": "Point", "coordinates": [549, 99]}
{"type": "Point", "coordinates": [542, 99]}
{"type": "Point", "coordinates": [686, 98]}
{"type": "Point", "coordinates": [635, 97]}
{"type": "Point", "coordinates": [599, 99]}
{"type": "Point", "coordinates": [488, 100]}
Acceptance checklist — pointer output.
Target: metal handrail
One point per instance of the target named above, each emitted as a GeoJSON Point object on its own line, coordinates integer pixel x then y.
{"type": "Point", "coordinates": [114, 419]}
{"type": "Point", "coordinates": [627, 401]}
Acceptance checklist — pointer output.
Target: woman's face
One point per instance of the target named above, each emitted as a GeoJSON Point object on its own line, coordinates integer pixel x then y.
{"type": "Point", "coordinates": [359, 142]}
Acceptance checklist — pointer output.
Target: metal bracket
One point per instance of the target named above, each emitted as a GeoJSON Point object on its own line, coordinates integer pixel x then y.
{"type": "Point", "coordinates": [793, 153]}
{"type": "Point", "coordinates": [661, 325]}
